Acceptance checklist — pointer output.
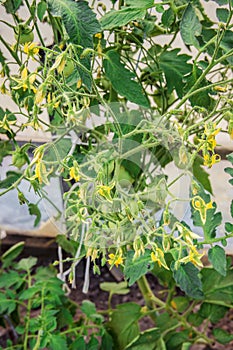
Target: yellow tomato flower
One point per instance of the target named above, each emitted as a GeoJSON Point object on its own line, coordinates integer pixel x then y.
{"type": "Point", "coordinates": [74, 174]}
{"type": "Point", "coordinates": [98, 35]}
{"type": "Point", "coordinates": [30, 49]}
{"type": "Point", "coordinates": [26, 81]}
{"type": "Point", "coordinates": [187, 234]}
{"type": "Point", "coordinates": [105, 191]}
{"type": "Point", "coordinates": [40, 170]}
{"type": "Point", "coordinates": [138, 247]}
{"type": "Point", "coordinates": [158, 256]}
{"type": "Point", "coordinates": [115, 259]}
{"type": "Point", "coordinates": [40, 95]}
{"type": "Point", "coordinates": [59, 63]}
{"type": "Point", "coordinates": [194, 257]}
{"type": "Point", "coordinates": [210, 129]}
{"type": "Point", "coordinates": [210, 160]}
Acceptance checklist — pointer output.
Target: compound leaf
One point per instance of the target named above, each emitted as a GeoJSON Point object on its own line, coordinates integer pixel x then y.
{"type": "Point", "coordinates": [134, 269]}
{"type": "Point", "coordinates": [217, 257]}
{"type": "Point", "coordinates": [190, 27]}
{"type": "Point", "coordinates": [122, 79]}
{"type": "Point", "coordinates": [175, 67]}
{"type": "Point", "coordinates": [79, 20]}
{"type": "Point", "coordinates": [186, 276]}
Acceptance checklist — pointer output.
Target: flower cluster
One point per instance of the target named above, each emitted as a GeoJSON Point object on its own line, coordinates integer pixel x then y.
{"type": "Point", "coordinates": [208, 147]}
{"type": "Point", "coordinates": [115, 259]}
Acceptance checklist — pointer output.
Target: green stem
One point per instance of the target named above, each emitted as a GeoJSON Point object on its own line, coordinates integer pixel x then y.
{"type": "Point", "coordinates": [13, 54]}
{"type": "Point", "coordinates": [215, 240]}
{"type": "Point", "coordinates": [27, 319]}
{"type": "Point", "coordinates": [150, 299]}
{"type": "Point", "coordinates": [35, 24]}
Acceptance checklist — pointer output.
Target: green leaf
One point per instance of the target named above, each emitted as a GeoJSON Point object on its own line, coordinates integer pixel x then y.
{"type": "Point", "coordinates": [200, 174]}
{"type": "Point", "coordinates": [134, 269]}
{"type": "Point", "coordinates": [202, 98]}
{"type": "Point", "coordinates": [142, 4]}
{"type": "Point", "coordinates": [229, 170]}
{"type": "Point", "coordinates": [186, 276]}
{"type": "Point", "coordinates": [93, 343]}
{"type": "Point", "coordinates": [121, 17]}
{"type": "Point", "coordinates": [186, 346]}
{"type": "Point", "coordinates": [58, 342]}
{"type": "Point", "coordinates": [221, 2]}
{"type": "Point", "coordinates": [177, 339]}
{"type": "Point", "coordinates": [29, 293]}
{"type": "Point", "coordinates": [181, 303]}
{"type": "Point", "coordinates": [227, 43]}
{"type": "Point", "coordinates": [68, 245]}
{"type": "Point", "coordinates": [212, 312]}
{"type": "Point", "coordinates": [88, 308]}
{"type": "Point", "coordinates": [41, 9]}
{"type": "Point", "coordinates": [79, 20]}
{"type": "Point", "coordinates": [34, 210]}
{"type": "Point", "coordinates": [222, 14]}
{"type": "Point", "coordinates": [11, 278]}
{"type": "Point", "coordinates": [115, 288]}
{"type": "Point", "coordinates": [6, 305]}
{"type": "Point", "coordinates": [217, 288]}
{"type": "Point", "coordinates": [145, 340]}
{"type": "Point", "coordinates": [164, 321]}
{"type": "Point", "coordinates": [229, 227]}
{"type": "Point", "coordinates": [27, 263]}
{"type": "Point", "coordinates": [107, 342]}
{"type": "Point", "coordinates": [222, 336]}
{"type": "Point", "coordinates": [175, 67]}
{"type": "Point", "coordinates": [195, 319]}
{"type": "Point", "coordinates": [190, 26]}
{"type": "Point", "coordinates": [217, 257]}
{"type": "Point", "coordinates": [122, 79]}
{"type": "Point", "coordinates": [230, 157]}
{"type": "Point", "coordinates": [79, 344]}
{"type": "Point", "coordinates": [124, 324]}
{"type": "Point", "coordinates": [12, 6]}
{"type": "Point", "coordinates": [168, 17]}
{"type": "Point", "coordinates": [5, 149]}
{"type": "Point", "coordinates": [12, 253]}
{"type": "Point", "coordinates": [11, 178]}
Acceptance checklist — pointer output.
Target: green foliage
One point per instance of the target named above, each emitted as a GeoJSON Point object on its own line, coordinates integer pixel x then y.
{"type": "Point", "coordinates": [175, 67]}
{"type": "Point", "coordinates": [79, 20]}
{"type": "Point", "coordinates": [114, 162]}
{"type": "Point", "coordinates": [120, 18]}
{"type": "Point", "coordinates": [122, 79]}
{"type": "Point", "coordinates": [201, 175]}
{"type": "Point", "coordinates": [123, 325]}
{"type": "Point", "coordinates": [187, 278]}
{"type": "Point", "coordinates": [190, 26]}
{"type": "Point", "coordinates": [146, 340]}
{"type": "Point", "coordinates": [135, 268]}
{"type": "Point", "coordinates": [32, 299]}
{"type": "Point", "coordinates": [115, 288]}
{"type": "Point", "coordinates": [222, 336]}
{"type": "Point", "coordinates": [217, 258]}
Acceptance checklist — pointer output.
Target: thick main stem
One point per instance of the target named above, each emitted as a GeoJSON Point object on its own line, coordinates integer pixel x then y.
{"type": "Point", "coordinates": [150, 299]}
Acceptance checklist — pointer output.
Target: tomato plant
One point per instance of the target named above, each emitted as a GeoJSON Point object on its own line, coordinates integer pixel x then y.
{"type": "Point", "coordinates": [127, 101]}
